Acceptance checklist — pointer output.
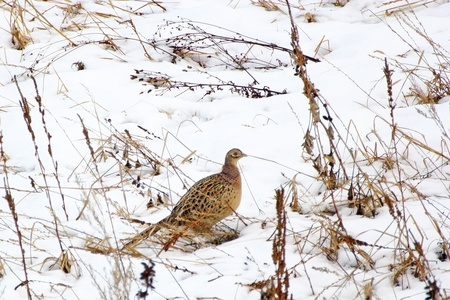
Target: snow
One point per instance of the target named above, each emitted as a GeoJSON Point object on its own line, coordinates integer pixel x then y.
{"type": "Point", "coordinates": [188, 132]}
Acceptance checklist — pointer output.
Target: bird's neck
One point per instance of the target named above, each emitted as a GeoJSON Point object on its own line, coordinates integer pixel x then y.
{"type": "Point", "coordinates": [231, 171]}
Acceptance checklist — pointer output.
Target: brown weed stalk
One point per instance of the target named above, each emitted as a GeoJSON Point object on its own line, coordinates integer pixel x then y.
{"type": "Point", "coordinates": [281, 277]}
{"type": "Point", "coordinates": [27, 118]}
{"type": "Point", "coordinates": [12, 207]}
{"type": "Point", "coordinates": [325, 162]}
{"type": "Point", "coordinates": [49, 145]}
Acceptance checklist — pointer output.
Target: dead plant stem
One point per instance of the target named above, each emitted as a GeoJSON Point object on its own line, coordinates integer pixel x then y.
{"type": "Point", "coordinates": [27, 118]}
{"type": "Point", "coordinates": [12, 207]}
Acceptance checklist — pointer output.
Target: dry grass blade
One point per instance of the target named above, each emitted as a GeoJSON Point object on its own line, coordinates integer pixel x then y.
{"type": "Point", "coordinates": [293, 192]}
{"type": "Point", "coordinates": [368, 290]}
{"type": "Point", "coordinates": [20, 35]}
{"type": "Point", "coordinates": [47, 24]}
{"type": "Point", "coordinates": [2, 268]}
{"type": "Point", "coordinates": [268, 5]}
{"type": "Point", "coordinates": [65, 262]}
{"type": "Point", "coordinates": [99, 246]}
{"type": "Point", "coordinates": [390, 7]}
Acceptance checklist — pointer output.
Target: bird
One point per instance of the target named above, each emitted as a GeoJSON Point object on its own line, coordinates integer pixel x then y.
{"type": "Point", "coordinates": [207, 202]}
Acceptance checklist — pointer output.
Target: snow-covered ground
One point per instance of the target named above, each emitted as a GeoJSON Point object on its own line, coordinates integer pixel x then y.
{"type": "Point", "coordinates": [159, 94]}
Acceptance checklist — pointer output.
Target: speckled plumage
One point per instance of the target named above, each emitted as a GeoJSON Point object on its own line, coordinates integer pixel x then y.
{"type": "Point", "coordinates": [207, 202]}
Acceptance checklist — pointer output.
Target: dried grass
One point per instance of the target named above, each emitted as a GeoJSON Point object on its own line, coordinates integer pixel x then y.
{"type": "Point", "coordinates": [365, 178]}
